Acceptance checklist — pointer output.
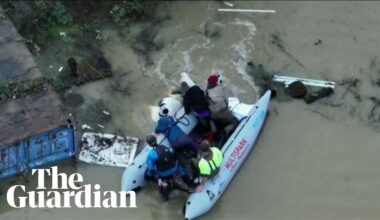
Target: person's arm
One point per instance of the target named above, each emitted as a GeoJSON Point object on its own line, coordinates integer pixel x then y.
{"type": "Point", "coordinates": [161, 126]}
{"type": "Point", "coordinates": [224, 95]}
{"type": "Point", "coordinates": [186, 104]}
{"type": "Point", "coordinates": [202, 183]}
{"type": "Point", "coordinates": [176, 91]}
{"type": "Point", "coordinates": [151, 160]}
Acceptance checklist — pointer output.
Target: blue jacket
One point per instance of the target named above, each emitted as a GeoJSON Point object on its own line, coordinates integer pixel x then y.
{"type": "Point", "coordinates": [151, 163]}
{"type": "Point", "coordinates": [169, 128]}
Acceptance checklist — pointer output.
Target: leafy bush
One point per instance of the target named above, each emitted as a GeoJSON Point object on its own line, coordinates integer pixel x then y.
{"type": "Point", "coordinates": [125, 11]}
{"type": "Point", "coordinates": [53, 13]}
{"type": "Point", "coordinates": [11, 90]}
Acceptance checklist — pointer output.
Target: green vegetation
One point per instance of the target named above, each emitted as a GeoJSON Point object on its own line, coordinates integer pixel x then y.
{"type": "Point", "coordinates": [121, 11]}
{"type": "Point", "coordinates": [53, 13]}
{"type": "Point", "coordinates": [43, 21]}
{"type": "Point", "coordinates": [54, 30]}
{"type": "Point", "coordinates": [2, 16]}
{"type": "Point", "coordinates": [15, 90]}
{"type": "Point", "coordinates": [11, 90]}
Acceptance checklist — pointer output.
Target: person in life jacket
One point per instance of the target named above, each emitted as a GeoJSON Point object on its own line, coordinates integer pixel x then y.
{"type": "Point", "coordinates": [210, 160]}
{"type": "Point", "coordinates": [218, 102]}
{"type": "Point", "coordinates": [164, 167]}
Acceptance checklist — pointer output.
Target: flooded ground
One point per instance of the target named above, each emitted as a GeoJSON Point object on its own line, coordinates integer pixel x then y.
{"type": "Point", "coordinates": [317, 161]}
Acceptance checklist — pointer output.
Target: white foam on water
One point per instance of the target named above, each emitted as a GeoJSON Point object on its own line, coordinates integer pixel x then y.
{"type": "Point", "coordinates": [188, 64]}
{"type": "Point", "coordinates": [251, 30]}
{"type": "Point", "coordinates": [203, 24]}
{"type": "Point", "coordinates": [240, 62]}
{"type": "Point", "coordinates": [240, 51]}
{"type": "Point", "coordinates": [183, 59]}
{"type": "Point", "coordinates": [180, 40]}
{"type": "Point", "coordinates": [251, 26]}
{"type": "Point", "coordinates": [157, 68]}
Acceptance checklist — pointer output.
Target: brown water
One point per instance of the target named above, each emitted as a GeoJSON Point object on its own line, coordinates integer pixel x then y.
{"type": "Point", "coordinates": [316, 161]}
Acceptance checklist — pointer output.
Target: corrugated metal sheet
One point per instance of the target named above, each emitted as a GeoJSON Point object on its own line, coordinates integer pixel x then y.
{"type": "Point", "coordinates": [38, 150]}
{"type": "Point", "coordinates": [50, 147]}
{"type": "Point", "coordinates": [12, 159]}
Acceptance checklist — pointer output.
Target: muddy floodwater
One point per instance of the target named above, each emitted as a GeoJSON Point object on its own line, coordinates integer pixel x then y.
{"type": "Point", "coordinates": [317, 161]}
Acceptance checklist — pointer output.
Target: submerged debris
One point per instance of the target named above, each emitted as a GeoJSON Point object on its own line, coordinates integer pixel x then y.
{"type": "Point", "coordinates": [73, 99]}
{"type": "Point", "coordinates": [311, 97]}
{"type": "Point", "coordinates": [351, 86]}
{"type": "Point", "coordinates": [374, 114]}
{"type": "Point", "coordinates": [264, 81]}
{"type": "Point", "coordinates": [213, 29]}
{"type": "Point", "coordinates": [307, 82]}
{"type": "Point", "coordinates": [93, 68]}
{"type": "Point", "coordinates": [91, 116]}
{"type": "Point", "coordinates": [318, 42]}
{"type": "Point", "coordinates": [119, 85]}
{"type": "Point", "coordinates": [296, 89]}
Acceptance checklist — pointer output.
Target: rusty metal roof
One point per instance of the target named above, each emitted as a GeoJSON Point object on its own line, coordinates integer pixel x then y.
{"type": "Point", "coordinates": [28, 116]}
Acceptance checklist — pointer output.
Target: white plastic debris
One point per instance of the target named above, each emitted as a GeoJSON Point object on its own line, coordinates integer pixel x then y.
{"type": "Point", "coordinates": [100, 126]}
{"type": "Point", "coordinates": [229, 4]}
{"type": "Point", "coordinates": [287, 80]}
{"type": "Point", "coordinates": [63, 34]}
{"type": "Point", "coordinates": [51, 66]}
{"type": "Point", "coordinates": [246, 10]}
{"type": "Point", "coordinates": [106, 113]}
{"type": "Point", "coordinates": [60, 69]}
{"type": "Point", "coordinates": [98, 36]}
{"type": "Point", "coordinates": [108, 149]}
{"type": "Point", "coordinates": [84, 126]}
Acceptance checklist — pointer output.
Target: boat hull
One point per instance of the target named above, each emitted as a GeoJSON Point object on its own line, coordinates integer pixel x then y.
{"type": "Point", "coordinates": [235, 151]}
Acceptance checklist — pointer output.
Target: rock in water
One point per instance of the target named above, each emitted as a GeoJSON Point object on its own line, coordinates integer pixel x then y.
{"type": "Point", "coordinates": [296, 90]}
{"type": "Point", "coordinates": [213, 30]}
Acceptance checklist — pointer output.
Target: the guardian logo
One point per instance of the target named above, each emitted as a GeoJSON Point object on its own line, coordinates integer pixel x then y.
{"type": "Point", "coordinates": [65, 190]}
